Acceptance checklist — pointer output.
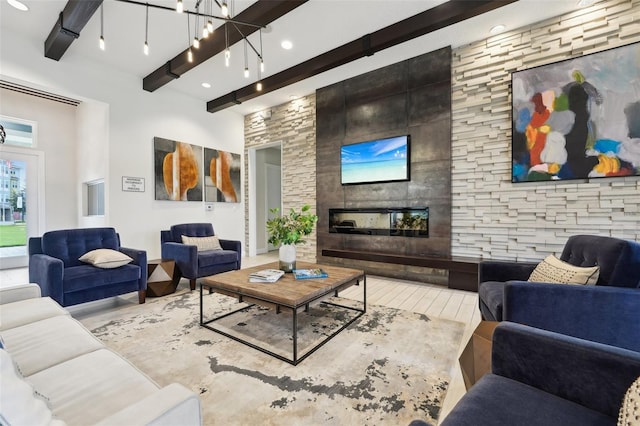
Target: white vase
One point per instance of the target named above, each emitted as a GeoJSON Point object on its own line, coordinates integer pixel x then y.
{"type": "Point", "coordinates": [287, 257]}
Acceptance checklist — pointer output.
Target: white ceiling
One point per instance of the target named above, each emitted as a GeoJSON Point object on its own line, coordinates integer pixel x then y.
{"type": "Point", "coordinates": [315, 27]}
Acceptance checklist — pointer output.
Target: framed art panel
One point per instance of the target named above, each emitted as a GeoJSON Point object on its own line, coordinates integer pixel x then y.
{"type": "Point", "coordinates": [178, 170]}
{"type": "Point", "coordinates": [221, 176]}
{"type": "Point", "coordinates": [578, 118]}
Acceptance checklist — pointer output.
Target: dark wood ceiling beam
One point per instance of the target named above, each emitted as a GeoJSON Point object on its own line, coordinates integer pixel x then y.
{"type": "Point", "coordinates": [71, 21]}
{"type": "Point", "coordinates": [263, 12]}
{"type": "Point", "coordinates": [436, 18]}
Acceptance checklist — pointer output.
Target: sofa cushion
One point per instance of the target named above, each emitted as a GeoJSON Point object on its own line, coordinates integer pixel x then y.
{"type": "Point", "coordinates": [91, 387]}
{"type": "Point", "coordinates": [105, 258]}
{"type": "Point", "coordinates": [216, 257]}
{"type": "Point", "coordinates": [497, 401]}
{"type": "Point", "coordinates": [60, 338]}
{"type": "Point", "coordinates": [27, 311]}
{"type": "Point", "coordinates": [19, 403]}
{"type": "Point", "coordinates": [85, 277]}
{"type": "Point", "coordinates": [554, 270]}
{"type": "Point", "coordinates": [202, 243]}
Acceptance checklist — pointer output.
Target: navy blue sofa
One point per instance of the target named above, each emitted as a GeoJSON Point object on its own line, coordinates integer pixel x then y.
{"type": "Point", "coordinates": [54, 266]}
{"type": "Point", "coordinates": [619, 262]}
{"type": "Point", "coordinates": [193, 264]}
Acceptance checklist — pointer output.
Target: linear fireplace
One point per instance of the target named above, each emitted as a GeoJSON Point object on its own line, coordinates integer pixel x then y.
{"type": "Point", "coordinates": [402, 222]}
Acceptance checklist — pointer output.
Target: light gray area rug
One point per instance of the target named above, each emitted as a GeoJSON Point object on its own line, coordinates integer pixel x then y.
{"type": "Point", "coordinates": [388, 367]}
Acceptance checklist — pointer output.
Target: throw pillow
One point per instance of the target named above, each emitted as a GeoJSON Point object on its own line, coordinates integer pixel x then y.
{"type": "Point", "coordinates": [203, 243]}
{"type": "Point", "coordinates": [554, 270]}
{"type": "Point", "coordinates": [105, 258]}
{"type": "Point", "coordinates": [19, 403]}
{"type": "Point", "coordinates": [630, 411]}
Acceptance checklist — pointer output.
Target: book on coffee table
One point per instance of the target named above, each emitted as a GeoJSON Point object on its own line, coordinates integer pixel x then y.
{"type": "Point", "coordinates": [303, 274]}
{"type": "Point", "coordinates": [266, 276]}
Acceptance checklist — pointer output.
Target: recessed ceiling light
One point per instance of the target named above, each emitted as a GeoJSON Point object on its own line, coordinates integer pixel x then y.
{"type": "Point", "coordinates": [18, 5]}
{"type": "Point", "coordinates": [585, 3]}
{"type": "Point", "coordinates": [497, 29]}
{"type": "Point", "coordinates": [286, 44]}
{"type": "Point", "coordinates": [206, 85]}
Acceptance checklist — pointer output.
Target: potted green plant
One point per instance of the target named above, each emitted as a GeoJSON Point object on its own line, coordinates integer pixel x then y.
{"type": "Point", "coordinates": [289, 230]}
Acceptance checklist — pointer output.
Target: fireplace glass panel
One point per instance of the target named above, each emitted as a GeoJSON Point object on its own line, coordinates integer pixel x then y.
{"type": "Point", "coordinates": [405, 222]}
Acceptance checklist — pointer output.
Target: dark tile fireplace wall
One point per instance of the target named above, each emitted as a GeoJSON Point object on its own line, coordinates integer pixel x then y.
{"type": "Point", "coordinates": [410, 97]}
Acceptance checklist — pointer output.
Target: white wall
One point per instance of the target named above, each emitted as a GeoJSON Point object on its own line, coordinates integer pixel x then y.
{"type": "Point", "coordinates": [126, 118]}
{"type": "Point", "coordinates": [56, 138]}
{"type": "Point", "coordinates": [93, 156]}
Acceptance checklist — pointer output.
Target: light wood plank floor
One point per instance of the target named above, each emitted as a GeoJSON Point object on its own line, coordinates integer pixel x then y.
{"type": "Point", "coordinates": [431, 300]}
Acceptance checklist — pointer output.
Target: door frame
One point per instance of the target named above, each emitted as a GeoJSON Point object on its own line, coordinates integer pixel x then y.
{"type": "Point", "coordinates": [36, 226]}
{"type": "Point", "coordinates": [252, 189]}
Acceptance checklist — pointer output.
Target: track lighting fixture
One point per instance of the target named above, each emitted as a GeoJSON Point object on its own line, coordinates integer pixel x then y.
{"type": "Point", "coordinates": [179, 6]}
{"type": "Point", "coordinates": [246, 63]}
{"type": "Point", "coordinates": [224, 9]}
{"type": "Point", "coordinates": [101, 42]}
{"type": "Point", "coordinates": [145, 49]}
{"type": "Point", "coordinates": [189, 51]}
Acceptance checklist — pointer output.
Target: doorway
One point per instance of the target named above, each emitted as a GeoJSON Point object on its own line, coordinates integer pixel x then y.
{"type": "Point", "coordinates": [21, 191]}
{"type": "Point", "coordinates": [265, 193]}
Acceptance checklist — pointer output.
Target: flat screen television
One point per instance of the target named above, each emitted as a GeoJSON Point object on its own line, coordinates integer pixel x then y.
{"type": "Point", "coordinates": [379, 160]}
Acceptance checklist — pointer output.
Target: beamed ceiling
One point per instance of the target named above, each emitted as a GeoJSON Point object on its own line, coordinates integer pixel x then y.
{"type": "Point", "coordinates": [333, 40]}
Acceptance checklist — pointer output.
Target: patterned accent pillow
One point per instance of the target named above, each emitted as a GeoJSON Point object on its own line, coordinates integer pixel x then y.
{"type": "Point", "coordinates": [203, 243]}
{"type": "Point", "coordinates": [105, 258]}
{"type": "Point", "coordinates": [630, 411]}
{"type": "Point", "coordinates": [554, 270]}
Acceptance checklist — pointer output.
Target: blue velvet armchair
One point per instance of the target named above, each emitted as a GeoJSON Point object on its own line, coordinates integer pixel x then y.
{"type": "Point", "coordinates": [544, 378]}
{"type": "Point", "coordinates": [556, 362]}
{"type": "Point", "coordinates": [193, 264]}
{"type": "Point", "coordinates": [55, 266]}
{"type": "Point", "coordinates": [618, 259]}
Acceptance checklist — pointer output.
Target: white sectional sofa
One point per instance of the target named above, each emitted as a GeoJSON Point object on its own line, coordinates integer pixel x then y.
{"type": "Point", "coordinates": [54, 371]}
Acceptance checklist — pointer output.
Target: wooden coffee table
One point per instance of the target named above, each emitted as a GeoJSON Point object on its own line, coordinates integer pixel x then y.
{"type": "Point", "coordinates": [285, 294]}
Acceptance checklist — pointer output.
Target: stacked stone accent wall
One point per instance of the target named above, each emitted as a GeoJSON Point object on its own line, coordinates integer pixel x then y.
{"type": "Point", "coordinates": [292, 124]}
{"type": "Point", "coordinates": [493, 218]}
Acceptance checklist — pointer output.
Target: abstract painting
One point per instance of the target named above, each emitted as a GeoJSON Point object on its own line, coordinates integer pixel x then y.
{"type": "Point", "coordinates": [178, 170]}
{"type": "Point", "coordinates": [221, 176]}
{"type": "Point", "coordinates": [578, 119]}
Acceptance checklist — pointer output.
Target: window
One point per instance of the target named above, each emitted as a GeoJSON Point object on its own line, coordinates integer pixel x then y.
{"type": "Point", "coordinates": [18, 132]}
{"type": "Point", "coordinates": [94, 197]}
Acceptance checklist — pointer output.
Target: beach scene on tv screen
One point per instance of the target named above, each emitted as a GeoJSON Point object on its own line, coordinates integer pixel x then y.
{"type": "Point", "coordinates": [375, 161]}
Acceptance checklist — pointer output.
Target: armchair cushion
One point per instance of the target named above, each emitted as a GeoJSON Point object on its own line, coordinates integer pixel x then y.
{"type": "Point", "coordinates": [216, 257]}
{"type": "Point", "coordinates": [202, 243]}
{"type": "Point", "coordinates": [105, 258]}
{"type": "Point", "coordinates": [554, 270]}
